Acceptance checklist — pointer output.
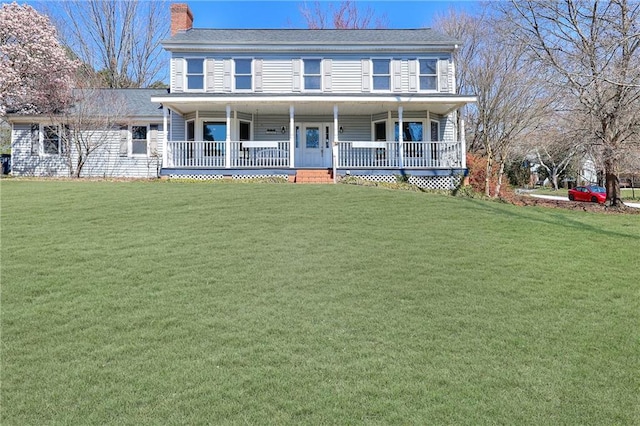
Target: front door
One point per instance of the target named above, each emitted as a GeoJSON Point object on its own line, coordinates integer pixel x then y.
{"type": "Point", "coordinates": [316, 145]}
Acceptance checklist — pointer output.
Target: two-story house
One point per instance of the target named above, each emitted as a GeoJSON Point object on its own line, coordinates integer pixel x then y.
{"type": "Point", "coordinates": [257, 102]}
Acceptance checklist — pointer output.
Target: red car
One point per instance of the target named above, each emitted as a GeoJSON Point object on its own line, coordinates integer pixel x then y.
{"type": "Point", "coordinates": [591, 193]}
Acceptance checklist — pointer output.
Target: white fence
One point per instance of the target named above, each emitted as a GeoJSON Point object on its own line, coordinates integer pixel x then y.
{"type": "Point", "coordinates": [421, 155]}
{"type": "Point", "coordinates": [351, 155]}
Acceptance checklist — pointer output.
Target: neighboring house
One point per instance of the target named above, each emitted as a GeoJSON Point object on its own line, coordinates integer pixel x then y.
{"type": "Point", "coordinates": [374, 103]}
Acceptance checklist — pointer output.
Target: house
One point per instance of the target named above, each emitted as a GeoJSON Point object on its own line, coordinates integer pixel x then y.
{"type": "Point", "coordinates": [257, 102]}
{"type": "Point", "coordinates": [121, 127]}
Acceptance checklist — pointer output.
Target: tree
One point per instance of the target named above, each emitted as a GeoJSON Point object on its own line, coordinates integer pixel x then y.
{"type": "Point", "coordinates": [593, 48]}
{"type": "Point", "coordinates": [511, 102]}
{"type": "Point", "coordinates": [120, 39]}
{"type": "Point", "coordinates": [36, 74]}
{"type": "Point", "coordinates": [346, 16]}
{"type": "Point", "coordinates": [89, 125]}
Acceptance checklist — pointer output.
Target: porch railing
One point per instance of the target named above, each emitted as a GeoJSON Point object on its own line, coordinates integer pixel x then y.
{"type": "Point", "coordinates": [220, 154]}
{"type": "Point", "coordinates": [351, 155]}
{"type": "Point", "coordinates": [384, 154]}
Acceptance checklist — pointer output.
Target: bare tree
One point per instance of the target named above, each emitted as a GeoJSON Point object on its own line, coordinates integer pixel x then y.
{"type": "Point", "coordinates": [510, 103]}
{"type": "Point", "coordinates": [593, 47]}
{"type": "Point", "coordinates": [118, 39]}
{"type": "Point", "coordinates": [347, 15]}
{"type": "Point", "coordinates": [89, 126]}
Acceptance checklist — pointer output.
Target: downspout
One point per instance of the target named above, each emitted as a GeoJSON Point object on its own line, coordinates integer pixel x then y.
{"type": "Point", "coordinates": [227, 151]}
{"type": "Point", "coordinates": [400, 138]}
{"type": "Point", "coordinates": [334, 145]}
{"type": "Point", "coordinates": [292, 137]}
{"type": "Point", "coordinates": [165, 139]}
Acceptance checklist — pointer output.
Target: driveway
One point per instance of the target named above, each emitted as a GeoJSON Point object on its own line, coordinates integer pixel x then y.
{"type": "Point", "coordinates": [559, 198]}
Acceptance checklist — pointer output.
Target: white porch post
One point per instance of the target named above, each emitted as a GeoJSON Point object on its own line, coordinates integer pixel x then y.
{"type": "Point", "coordinates": [165, 139]}
{"type": "Point", "coordinates": [334, 145]}
{"type": "Point", "coordinates": [463, 145]}
{"type": "Point", "coordinates": [227, 149]}
{"type": "Point", "coordinates": [400, 138]}
{"type": "Point", "coordinates": [292, 137]}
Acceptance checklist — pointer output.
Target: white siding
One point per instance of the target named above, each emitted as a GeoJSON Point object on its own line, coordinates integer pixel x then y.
{"type": "Point", "coordinates": [277, 75]}
{"type": "Point", "coordinates": [346, 76]}
{"type": "Point", "coordinates": [104, 162]}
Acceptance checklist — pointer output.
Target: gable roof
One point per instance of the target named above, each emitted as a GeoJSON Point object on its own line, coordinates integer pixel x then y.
{"type": "Point", "coordinates": [307, 37]}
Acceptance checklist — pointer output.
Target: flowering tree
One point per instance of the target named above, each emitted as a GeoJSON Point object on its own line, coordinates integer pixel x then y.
{"type": "Point", "coordinates": [36, 73]}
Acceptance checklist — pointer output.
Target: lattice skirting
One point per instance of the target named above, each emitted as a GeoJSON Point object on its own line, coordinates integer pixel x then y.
{"type": "Point", "coordinates": [259, 176]}
{"type": "Point", "coordinates": [218, 177]}
{"type": "Point", "coordinates": [197, 177]}
{"type": "Point", "coordinates": [426, 182]}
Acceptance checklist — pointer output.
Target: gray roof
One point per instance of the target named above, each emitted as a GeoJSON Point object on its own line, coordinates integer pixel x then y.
{"type": "Point", "coordinates": [132, 102]}
{"type": "Point", "coordinates": [422, 36]}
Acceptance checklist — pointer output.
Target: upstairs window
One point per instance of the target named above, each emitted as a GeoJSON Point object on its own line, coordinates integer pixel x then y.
{"type": "Point", "coordinates": [312, 75]}
{"type": "Point", "coordinates": [139, 142]}
{"type": "Point", "coordinates": [381, 74]}
{"type": "Point", "coordinates": [195, 74]}
{"type": "Point", "coordinates": [243, 74]}
{"type": "Point", "coordinates": [428, 74]}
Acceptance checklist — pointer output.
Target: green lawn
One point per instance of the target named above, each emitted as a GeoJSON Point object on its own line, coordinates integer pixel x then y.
{"type": "Point", "coordinates": [200, 303]}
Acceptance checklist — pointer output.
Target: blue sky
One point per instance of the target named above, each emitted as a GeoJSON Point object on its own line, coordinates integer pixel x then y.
{"type": "Point", "coordinates": [286, 13]}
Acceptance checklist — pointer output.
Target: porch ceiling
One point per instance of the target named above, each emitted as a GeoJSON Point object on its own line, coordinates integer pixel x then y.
{"type": "Point", "coordinates": [315, 105]}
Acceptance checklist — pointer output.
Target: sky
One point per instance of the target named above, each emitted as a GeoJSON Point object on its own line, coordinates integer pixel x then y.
{"type": "Point", "coordinates": [286, 13]}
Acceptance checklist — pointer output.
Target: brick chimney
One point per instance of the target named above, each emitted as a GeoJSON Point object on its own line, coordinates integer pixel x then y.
{"type": "Point", "coordinates": [181, 18]}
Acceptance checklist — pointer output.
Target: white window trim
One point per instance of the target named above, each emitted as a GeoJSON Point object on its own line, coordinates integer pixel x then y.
{"type": "Point", "coordinates": [437, 122]}
{"type": "Point", "coordinates": [390, 75]}
{"type": "Point", "coordinates": [186, 75]}
{"type": "Point", "coordinates": [130, 141]}
{"type": "Point", "coordinates": [41, 152]}
{"type": "Point", "coordinates": [437, 75]}
{"type": "Point", "coordinates": [373, 129]}
{"type": "Point", "coordinates": [234, 75]}
{"type": "Point", "coordinates": [321, 75]}
{"type": "Point", "coordinates": [186, 131]}
{"type": "Point", "coordinates": [425, 138]}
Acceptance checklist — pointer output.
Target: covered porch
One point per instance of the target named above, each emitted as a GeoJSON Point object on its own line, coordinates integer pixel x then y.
{"type": "Point", "coordinates": [248, 133]}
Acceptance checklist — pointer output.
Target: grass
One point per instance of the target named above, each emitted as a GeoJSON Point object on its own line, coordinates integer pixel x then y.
{"type": "Point", "coordinates": [177, 303]}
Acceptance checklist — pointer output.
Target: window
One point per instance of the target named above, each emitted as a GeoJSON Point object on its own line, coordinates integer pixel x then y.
{"type": "Point", "coordinates": [381, 74]}
{"type": "Point", "coordinates": [214, 134]}
{"type": "Point", "coordinates": [312, 75]}
{"type": "Point", "coordinates": [50, 140]}
{"type": "Point", "coordinates": [380, 131]}
{"type": "Point", "coordinates": [411, 131]}
{"type": "Point", "coordinates": [195, 74]}
{"type": "Point", "coordinates": [428, 74]}
{"type": "Point", "coordinates": [243, 74]}
{"type": "Point", "coordinates": [139, 140]}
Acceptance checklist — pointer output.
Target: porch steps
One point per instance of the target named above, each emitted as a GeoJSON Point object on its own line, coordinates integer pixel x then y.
{"type": "Point", "coordinates": [314, 176]}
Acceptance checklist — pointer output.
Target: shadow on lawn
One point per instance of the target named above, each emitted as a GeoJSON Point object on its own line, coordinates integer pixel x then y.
{"type": "Point", "coordinates": [554, 218]}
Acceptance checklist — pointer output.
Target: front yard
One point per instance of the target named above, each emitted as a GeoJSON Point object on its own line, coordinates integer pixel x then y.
{"type": "Point", "coordinates": [201, 303]}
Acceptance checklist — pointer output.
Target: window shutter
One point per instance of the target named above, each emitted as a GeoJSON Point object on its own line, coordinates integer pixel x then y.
{"type": "Point", "coordinates": [124, 141]}
{"type": "Point", "coordinates": [257, 64]}
{"type": "Point", "coordinates": [396, 67]}
{"type": "Point", "coordinates": [153, 139]}
{"type": "Point", "coordinates": [443, 74]}
{"type": "Point", "coordinates": [327, 64]}
{"type": "Point", "coordinates": [178, 74]}
{"type": "Point", "coordinates": [35, 139]}
{"type": "Point", "coordinates": [366, 75]}
{"type": "Point", "coordinates": [209, 70]}
{"type": "Point", "coordinates": [227, 75]}
{"type": "Point", "coordinates": [297, 65]}
{"type": "Point", "coordinates": [413, 75]}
